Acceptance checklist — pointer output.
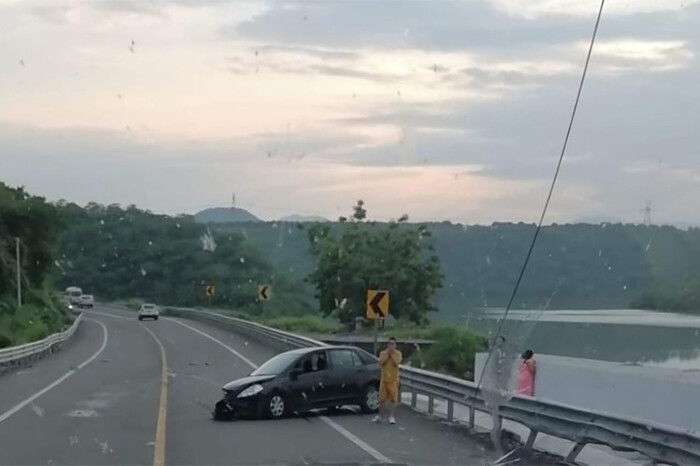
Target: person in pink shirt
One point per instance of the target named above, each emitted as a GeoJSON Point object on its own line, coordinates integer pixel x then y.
{"type": "Point", "coordinates": [526, 374]}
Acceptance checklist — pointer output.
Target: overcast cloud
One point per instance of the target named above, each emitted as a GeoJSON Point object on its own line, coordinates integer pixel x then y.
{"type": "Point", "coordinates": [441, 109]}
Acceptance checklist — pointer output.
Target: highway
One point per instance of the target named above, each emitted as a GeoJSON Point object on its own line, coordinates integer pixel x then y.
{"type": "Point", "coordinates": [130, 392]}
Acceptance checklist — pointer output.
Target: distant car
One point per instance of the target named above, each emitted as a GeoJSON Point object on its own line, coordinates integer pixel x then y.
{"type": "Point", "coordinates": [302, 380]}
{"type": "Point", "coordinates": [148, 311]}
{"type": "Point", "coordinates": [86, 300]}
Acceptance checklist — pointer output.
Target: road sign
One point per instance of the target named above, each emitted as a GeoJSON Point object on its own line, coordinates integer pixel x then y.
{"type": "Point", "coordinates": [210, 290]}
{"type": "Point", "coordinates": [264, 292]}
{"type": "Point", "coordinates": [377, 304]}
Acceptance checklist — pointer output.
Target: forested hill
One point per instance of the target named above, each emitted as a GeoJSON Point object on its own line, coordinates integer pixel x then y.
{"type": "Point", "coordinates": [122, 253]}
{"type": "Point", "coordinates": [578, 266]}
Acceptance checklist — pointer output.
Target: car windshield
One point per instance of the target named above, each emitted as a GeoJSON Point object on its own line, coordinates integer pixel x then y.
{"type": "Point", "coordinates": [509, 188]}
{"type": "Point", "coordinates": [276, 365]}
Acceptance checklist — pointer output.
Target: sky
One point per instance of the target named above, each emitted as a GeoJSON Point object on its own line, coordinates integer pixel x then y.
{"type": "Point", "coordinates": [440, 109]}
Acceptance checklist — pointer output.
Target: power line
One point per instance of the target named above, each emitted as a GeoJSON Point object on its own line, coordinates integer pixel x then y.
{"type": "Point", "coordinates": [549, 194]}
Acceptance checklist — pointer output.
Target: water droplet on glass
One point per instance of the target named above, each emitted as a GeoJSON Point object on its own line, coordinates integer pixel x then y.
{"type": "Point", "coordinates": [207, 240]}
{"type": "Point", "coordinates": [245, 343]}
{"type": "Point", "coordinates": [177, 225]}
{"type": "Point", "coordinates": [102, 222]}
{"type": "Point", "coordinates": [609, 267]}
{"type": "Point", "coordinates": [488, 260]}
{"type": "Point", "coordinates": [242, 259]}
{"type": "Point", "coordinates": [143, 272]}
{"type": "Point", "coordinates": [624, 287]}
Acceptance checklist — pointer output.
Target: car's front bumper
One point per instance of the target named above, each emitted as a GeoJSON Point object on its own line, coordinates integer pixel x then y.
{"type": "Point", "coordinates": [244, 407]}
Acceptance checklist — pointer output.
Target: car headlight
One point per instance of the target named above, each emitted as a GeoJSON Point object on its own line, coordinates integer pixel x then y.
{"type": "Point", "coordinates": [250, 391]}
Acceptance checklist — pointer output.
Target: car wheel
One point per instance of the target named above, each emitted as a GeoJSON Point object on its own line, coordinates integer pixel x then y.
{"type": "Point", "coordinates": [155, 318]}
{"type": "Point", "coordinates": [275, 406]}
{"type": "Point", "coordinates": [370, 399]}
{"type": "Point", "coordinates": [140, 318]}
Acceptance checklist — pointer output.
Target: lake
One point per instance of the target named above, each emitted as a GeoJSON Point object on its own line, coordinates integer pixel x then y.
{"type": "Point", "coordinates": [624, 335]}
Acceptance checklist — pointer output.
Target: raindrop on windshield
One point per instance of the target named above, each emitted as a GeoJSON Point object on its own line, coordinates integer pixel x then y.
{"type": "Point", "coordinates": [143, 271]}
{"type": "Point", "coordinates": [242, 259]}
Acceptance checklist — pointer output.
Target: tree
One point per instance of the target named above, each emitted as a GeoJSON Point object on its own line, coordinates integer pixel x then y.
{"type": "Point", "coordinates": [397, 257]}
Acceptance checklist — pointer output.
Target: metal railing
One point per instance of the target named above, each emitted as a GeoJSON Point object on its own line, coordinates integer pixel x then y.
{"type": "Point", "coordinates": [661, 443]}
{"type": "Point", "coordinates": [16, 355]}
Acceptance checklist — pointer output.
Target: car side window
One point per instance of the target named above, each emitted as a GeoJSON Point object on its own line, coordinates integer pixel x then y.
{"type": "Point", "coordinates": [344, 359]}
{"type": "Point", "coordinates": [366, 358]}
{"type": "Point", "coordinates": [313, 362]}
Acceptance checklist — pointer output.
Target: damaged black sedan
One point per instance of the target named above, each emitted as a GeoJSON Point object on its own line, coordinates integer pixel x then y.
{"type": "Point", "coordinates": [303, 380]}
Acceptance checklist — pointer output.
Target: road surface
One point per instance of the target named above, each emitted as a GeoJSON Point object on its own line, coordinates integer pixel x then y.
{"type": "Point", "coordinates": [105, 399]}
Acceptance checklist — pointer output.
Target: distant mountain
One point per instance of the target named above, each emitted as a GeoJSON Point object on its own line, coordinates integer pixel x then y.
{"type": "Point", "coordinates": [225, 215]}
{"type": "Point", "coordinates": [304, 218]}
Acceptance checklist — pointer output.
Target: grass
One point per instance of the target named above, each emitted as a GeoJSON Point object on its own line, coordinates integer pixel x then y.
{"type": "Point", "coordinates": [306, 323]}
{"type": "Point", "coordinates": [41, 315]}
{"type": "Point", "coordinates": [452, 352]}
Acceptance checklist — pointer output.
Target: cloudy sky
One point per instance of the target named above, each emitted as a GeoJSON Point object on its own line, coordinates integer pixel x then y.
{"type": "Point", "coordinates": [442, 109]}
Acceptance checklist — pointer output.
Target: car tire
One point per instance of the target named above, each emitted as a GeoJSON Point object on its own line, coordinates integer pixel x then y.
{"type": "Point", "coordinates": [155, 318]}
{"type": "Point", "coordinates": [274, 406]}
{"type": "Point", "coordinates": [369, 403]}
{"type": "Point", "coordinates": [140, 318]}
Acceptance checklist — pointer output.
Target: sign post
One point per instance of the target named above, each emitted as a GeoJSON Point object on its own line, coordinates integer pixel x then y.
{"type": "Point", "coordinates": [377, 309]}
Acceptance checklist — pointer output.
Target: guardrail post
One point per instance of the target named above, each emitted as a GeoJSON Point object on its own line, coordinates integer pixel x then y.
{"type": "Point", "coordinates": [414, 399]}
{"type": "Point", "coordinates": [571, 457]}
{"type": "Point", "coordinates": [431, 404]}
{"type": "Point", "coordinates": [531, 439]}
{"type": "Point", "coordinates": [472, 412]}
{"type": "Point", "coordinates": [450, 410]}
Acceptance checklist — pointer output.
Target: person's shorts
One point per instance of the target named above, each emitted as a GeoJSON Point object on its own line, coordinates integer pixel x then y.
{"type": "Point", "coordinates": [389, 391]}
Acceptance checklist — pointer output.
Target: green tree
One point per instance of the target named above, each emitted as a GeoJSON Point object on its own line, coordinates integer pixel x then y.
{"type": "Point", "coordinates": [397, 257]}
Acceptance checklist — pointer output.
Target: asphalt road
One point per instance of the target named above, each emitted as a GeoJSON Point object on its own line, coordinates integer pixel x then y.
{"type": "Point", "coordinates": [105, 399]}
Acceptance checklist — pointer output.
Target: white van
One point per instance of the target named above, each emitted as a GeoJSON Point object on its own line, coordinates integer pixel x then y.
{"type": "Point", "coordinates": [74, 295]}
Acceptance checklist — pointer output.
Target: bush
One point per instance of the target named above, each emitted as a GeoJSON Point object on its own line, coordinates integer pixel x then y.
{"type": "Point", "coordinates": [307, 323]}
{"type": "Point", "coordinates": [452, 352]}
{"type": "Point", "coordinates": [134, 304]}
{"type": "Point", "coordinates": [41, 315]}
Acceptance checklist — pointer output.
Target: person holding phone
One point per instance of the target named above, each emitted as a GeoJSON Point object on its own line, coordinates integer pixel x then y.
{"type": "Point", "coordinates": [389, 360]}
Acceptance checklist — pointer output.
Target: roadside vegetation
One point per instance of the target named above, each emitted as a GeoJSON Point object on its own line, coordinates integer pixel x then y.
{"type": "Point", "coordinates": [36, 223]}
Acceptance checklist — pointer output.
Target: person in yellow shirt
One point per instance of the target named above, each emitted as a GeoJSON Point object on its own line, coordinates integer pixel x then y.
{"type": "Point", "coordinates": [389, 360]}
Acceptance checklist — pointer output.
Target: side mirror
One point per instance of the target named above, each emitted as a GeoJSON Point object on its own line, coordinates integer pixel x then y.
{"type": "Point", "coordinates": [294, 374]}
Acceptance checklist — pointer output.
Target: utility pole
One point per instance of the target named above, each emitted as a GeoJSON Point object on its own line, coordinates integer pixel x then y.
{"type": "Point", "coordinates": [19, 274]}
{"type": "Point", "coordinates": [647, 214]}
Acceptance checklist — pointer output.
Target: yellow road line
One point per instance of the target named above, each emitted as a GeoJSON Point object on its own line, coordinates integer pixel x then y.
{"type": "Point", "coordinates": [159, 451]}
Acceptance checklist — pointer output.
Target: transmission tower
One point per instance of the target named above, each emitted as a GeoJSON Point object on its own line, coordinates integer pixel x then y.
{"type": "Point", "coordinates": [647, 213]}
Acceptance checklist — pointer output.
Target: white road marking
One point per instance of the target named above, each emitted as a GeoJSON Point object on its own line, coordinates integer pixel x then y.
{"type": "Point", "coordinates": [104, 344]}
{"type": "Point", "coordinates": [356, 440]}
{"type": "Point", "coordinates": [337, 427]}
{"type": "Point", "coordinates": [222, 344]}
{"type": "Point", "coordinates": [6, 415]}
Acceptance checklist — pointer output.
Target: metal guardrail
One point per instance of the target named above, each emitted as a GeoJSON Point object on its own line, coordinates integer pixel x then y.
{"type": "Point", "coordinates": [661, 443]}
{"type": "Point", "coordinates": [16, 355]}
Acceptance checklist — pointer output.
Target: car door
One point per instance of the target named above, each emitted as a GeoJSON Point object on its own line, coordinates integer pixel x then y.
{"type": "Point", "coordinates": [311, 387]}
{"type": "Point", "coordinates": [345, 375]}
